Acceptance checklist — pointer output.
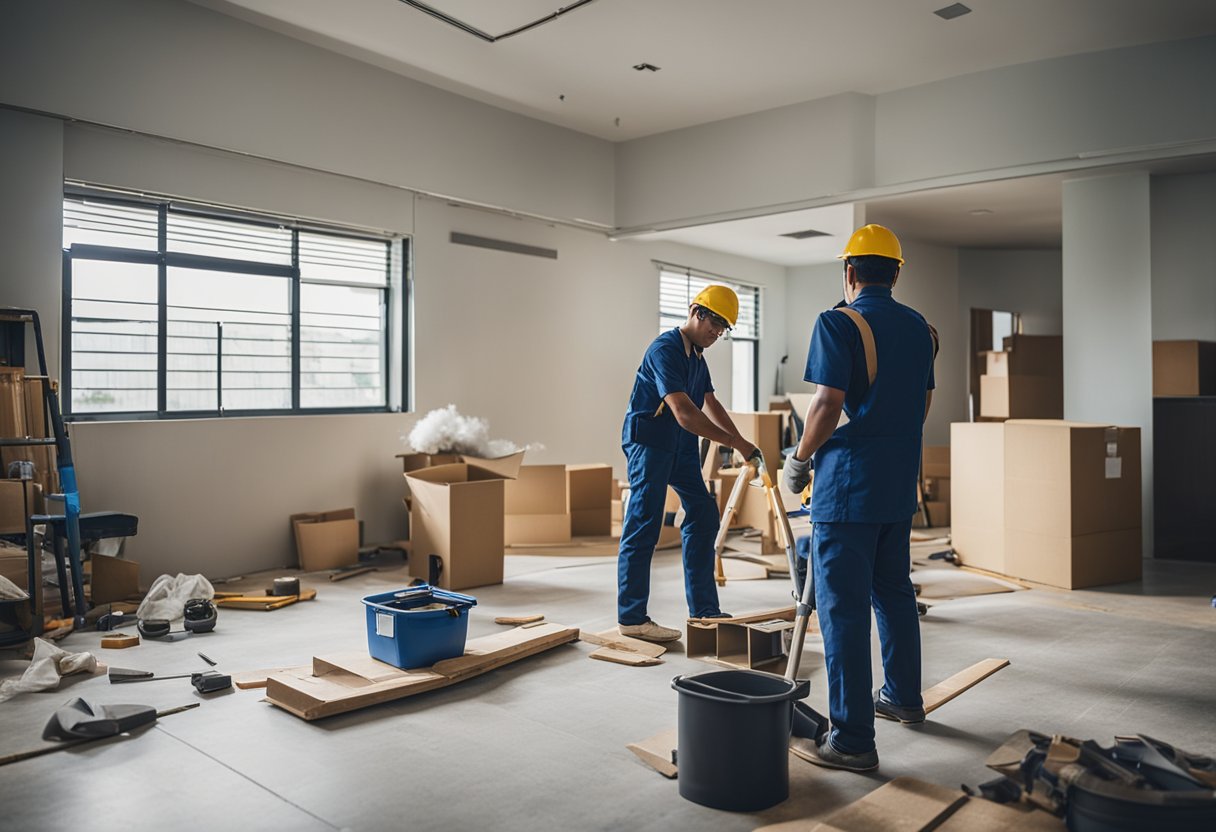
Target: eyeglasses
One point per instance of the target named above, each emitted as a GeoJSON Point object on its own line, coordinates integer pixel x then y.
{"type": "Point", "coordinates": [715, 319]}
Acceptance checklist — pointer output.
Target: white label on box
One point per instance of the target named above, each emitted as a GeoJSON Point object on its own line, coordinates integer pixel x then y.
{"type": "Point", "coordinates": [1112, 448]}
{"type": "Point", "coordinates": [1114, 467]}
{"type": "Point", "coordinates": [384, 620]}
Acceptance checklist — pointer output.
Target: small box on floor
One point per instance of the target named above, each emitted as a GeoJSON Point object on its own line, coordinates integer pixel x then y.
{"type": "Point", "coordinates": [591, 495]}
{"type": "Point", "coordinates": [326, 539]}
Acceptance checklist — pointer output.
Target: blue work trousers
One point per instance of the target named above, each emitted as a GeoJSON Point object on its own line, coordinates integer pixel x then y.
{"type": "Point", "coordinates": [650, 472]}
{"type": "Point", "coordinates": [856, 564]}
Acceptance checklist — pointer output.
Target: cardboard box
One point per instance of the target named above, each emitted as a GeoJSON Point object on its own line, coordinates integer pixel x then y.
{"type": "Point", "coordinates": [113, 579]}
{"type": "Point", "coordinates": [458, 514]}
{"type": "Point", "coordinates": [996, 362]}
{"type": "Point", "coordinates": [1021, 397]}
{"type": "Point", "coordinates": [935, 461]}
{"type": "Point", "coordinates": [326, 539]}
{"type": "Point", "coordinates": [937, 489]}
{"type": "Point", "coordinates": [939, 513]}
{"type": "Point", "coordinates": [18, 500]}
{"type": "Point", "coordinates": [506, 466]}
{"type": "Point", "coordinates": [536, 506]}
{"type": "Point", "coordinates": [764, 431]}
{"type": "Point", "coordinates": [1072, 494]}
{"type": "Point", "coordinates": [977, 477]}
{"type": "Point", "coordinates": [1034, 355]}
{"type": "Point", "coordinates": [1184, 368]}
{"type": "Point", "coordinates": [591, 493]}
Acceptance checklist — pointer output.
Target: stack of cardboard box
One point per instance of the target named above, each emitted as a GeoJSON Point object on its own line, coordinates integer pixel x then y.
{"type": "Point", "coordinates": [22, 416]}
{"type": "Point", "coordinates": [1025, 380]}
{"type": "Point", "coordinates": [1184, 368]}
{"type": "Point", "coordinates": [1049, 501]}
{"type": "Point", "coordinates": [935, 474]}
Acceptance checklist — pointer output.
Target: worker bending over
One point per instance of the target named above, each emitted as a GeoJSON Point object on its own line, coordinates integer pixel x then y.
{"type": "Point", "coordinates": [671, 405]}
{"type": "Point", "coordinates": [874, 358]}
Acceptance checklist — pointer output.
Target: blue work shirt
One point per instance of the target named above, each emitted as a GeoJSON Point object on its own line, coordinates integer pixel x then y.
{"type": "Point", "coordinates": [866, 471]}
{"type": "Point", "coordinates": [669, 366]}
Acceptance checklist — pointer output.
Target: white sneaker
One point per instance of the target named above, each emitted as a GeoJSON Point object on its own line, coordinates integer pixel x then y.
{"type": "Point", "coordinates": [649, 631]}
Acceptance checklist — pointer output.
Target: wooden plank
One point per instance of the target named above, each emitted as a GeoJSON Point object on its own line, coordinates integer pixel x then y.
{"type": "Point", "coordinates": [620, 649]}
{"type": "Point", "coordinates": [656, 752]}
{"type": "Point", "coordinates": [250, 679]}
{"type": "Point", "coordinates": [340, 684]}
{"type": "Point", "coordinates": [236, 601]}
{"type": "Point", "coordinates": [786, 613]}
{"type": "Point", "coordinates": [611, 654]}
{"type": "Point", "coordinates": [516, 620]}
{"type": "Point", "coordinates": [964, 680]}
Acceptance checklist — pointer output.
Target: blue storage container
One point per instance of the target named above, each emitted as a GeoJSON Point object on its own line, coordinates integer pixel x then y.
{"type": "Point", "coordinates": [405, 636]}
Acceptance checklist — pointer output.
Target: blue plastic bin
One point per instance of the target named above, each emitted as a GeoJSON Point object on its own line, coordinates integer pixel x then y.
{"type": "Point", "coordinates": [404, 636]}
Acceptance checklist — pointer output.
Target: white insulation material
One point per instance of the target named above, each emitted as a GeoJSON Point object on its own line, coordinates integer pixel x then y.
{"type": "Point", "coordinates": [446, 431]}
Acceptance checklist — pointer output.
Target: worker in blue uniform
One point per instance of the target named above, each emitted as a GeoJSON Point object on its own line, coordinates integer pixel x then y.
{"type": "Point", "coordinates": [873, 358]}
{"type": "Point", "coordinates": [671, 405]}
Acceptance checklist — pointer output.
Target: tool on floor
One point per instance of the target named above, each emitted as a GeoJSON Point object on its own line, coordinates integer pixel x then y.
{"type": "Point", "coordinates": [344, 572]}
{"type": "Point", "coordinates": [206, 681]}
{"type": "Point", "coordinates": [285, 586]}
{"type": "Point", "coordinates": [207, 659]}
{"type": "Point", "coordinates": [112, 620]}
{"type": "Point", "coordinates": [81, 721]}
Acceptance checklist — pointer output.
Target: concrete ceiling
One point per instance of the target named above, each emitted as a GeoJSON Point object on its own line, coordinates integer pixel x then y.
{"type": "Point", "coordinates": [717, 58]}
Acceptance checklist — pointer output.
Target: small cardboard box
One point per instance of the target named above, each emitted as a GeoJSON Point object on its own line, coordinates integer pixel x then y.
{"type": "Point", "coordinates": [764, 431]}
{"type": "Point", "coordinates": [935, 461]}
{"type": "Point", "coordinates": [937, 489]}
{"type": "Point", "coordinates": [1184, 368]}
{"type": "Point", "coordinates": [18, 500]}
{"type": "Point", "coordinates": [977, 477]}
{"type": "Point", "coordinates": [112, 579]}
{"type": "Point", "coordinates": [1021, 397]}
{"type": "Point", "coordinates": [591, 494]}
{"type": "Point", "coordinates": [1072, 493]}
{"type": "Point", "coordinates": [535, 505]}
{"type": "Point", "coordinates": [1034, 355]}
{"type": "Point", "coordinates": [939, 513]}
{"type": "Point", "coordinates": [458, 515]}
{"type": "Point", "coordinates": [326, 539]}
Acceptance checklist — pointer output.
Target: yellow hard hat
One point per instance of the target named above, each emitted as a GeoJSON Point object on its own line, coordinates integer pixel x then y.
{"type": "Point", "coordinates": [873, 239]}
{"type": "Point", "coordinates": [721, 300]}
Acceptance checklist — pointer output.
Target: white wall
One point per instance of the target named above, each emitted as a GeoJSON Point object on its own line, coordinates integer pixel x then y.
{"type": "Point", "coordinates": [31, 220]}
{"type": "Point", "coordinates": [1058, 114]}
{"type": "Point", "coordinates": [1026, 281]}
{"type": "Point", "coordinates": [178, 70]}
{"type": "Point", "coordinates": [1184, 256]}
{"type": "Point", "coordinates": [1107, 297]}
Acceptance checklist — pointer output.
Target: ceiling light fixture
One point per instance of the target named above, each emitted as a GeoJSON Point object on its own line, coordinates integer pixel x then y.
{"type": "Point", "coordinates": [486, 36]}
{"type": "Point", "coordinates": [953, 11]}
{"type": "Point", "coordinates": [645, 66]}
{"type": "Point", "coordinates": [806, 235]}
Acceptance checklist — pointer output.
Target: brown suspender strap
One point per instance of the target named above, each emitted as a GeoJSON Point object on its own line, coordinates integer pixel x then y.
{"type": "Point", "coordinates": [867, 341]}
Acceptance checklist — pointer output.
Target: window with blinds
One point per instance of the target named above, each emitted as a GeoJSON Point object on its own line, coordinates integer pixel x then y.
{"type": "Point", "coordinates": [179, 311]}
{"type": "Point", "coordinates": [676, 291]}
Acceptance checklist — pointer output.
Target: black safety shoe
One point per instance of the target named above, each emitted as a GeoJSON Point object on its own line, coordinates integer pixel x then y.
{"type": "Point", "coordinates": [887, 709]}
{"type": "Point", "coordinates": [825, 755]}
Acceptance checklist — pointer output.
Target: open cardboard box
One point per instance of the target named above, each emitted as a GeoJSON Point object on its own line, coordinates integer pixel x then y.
{"type": "Point", "coordinates": [505, 466]}
{"type": "Point", "coordinates": [457, 514]}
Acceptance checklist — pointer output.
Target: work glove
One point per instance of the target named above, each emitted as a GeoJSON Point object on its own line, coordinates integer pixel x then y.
{"type": "Point", "coordinates": [797, 474]}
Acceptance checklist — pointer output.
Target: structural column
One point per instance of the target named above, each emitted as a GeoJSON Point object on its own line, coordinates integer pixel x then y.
{"type": "Point", "coordinates": [1107, 299]}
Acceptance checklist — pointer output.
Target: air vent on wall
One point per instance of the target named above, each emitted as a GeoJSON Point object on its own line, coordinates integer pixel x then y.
{"type": "Point", "coordinates": [502, 245]}
{"type": "Point", "coordinates": [806, 235]}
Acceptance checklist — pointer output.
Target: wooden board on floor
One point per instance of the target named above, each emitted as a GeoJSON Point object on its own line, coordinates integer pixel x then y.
{"type": "Point", "coordinates": [614, 647]}
{"type": "Point", "coordinates": [338, 684]}
{"type": "Point", "coordinates": [237, 601]}
{"type": "Point", "coordinates": [964, 680]}
{"type": "Point", "coordinates": [656, 752]}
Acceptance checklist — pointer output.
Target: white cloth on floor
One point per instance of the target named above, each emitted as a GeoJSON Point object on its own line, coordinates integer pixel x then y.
{"type": "Point", "coordinates": [168, 596]}
{"type": "Point", "coordinates": [9, 591]}
{"type": "Point", "coordinates": [49, 665]}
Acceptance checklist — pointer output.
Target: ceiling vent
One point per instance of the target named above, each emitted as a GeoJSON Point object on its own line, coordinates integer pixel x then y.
{"type": "Point", "coordinates": [806, 235]}
{"type": "Point", "coordinates": [462, 239]}
{"type": "Point", "coordinates": [952, 11]}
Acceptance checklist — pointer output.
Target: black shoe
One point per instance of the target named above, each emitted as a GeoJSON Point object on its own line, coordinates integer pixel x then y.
{"type": "Point", "coordinates": [887, 709]}
{"type": "Point", "coordinates": [825, 755]}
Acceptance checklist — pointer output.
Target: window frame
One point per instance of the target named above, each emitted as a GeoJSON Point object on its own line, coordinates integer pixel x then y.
{"type": "Point", "coordinates": [740, 287]}
{"type": "Point", "coordinates": [396, 290]}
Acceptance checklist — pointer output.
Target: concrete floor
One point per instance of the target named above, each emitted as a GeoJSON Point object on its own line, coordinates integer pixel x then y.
{"type": "Point", "coordinates": [541, 744]}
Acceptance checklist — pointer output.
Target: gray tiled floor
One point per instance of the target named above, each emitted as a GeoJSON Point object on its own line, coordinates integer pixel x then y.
{"type": "Point", "coordinates": [541, 744]}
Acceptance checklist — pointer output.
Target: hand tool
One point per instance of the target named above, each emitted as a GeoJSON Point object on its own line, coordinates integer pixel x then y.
{"type": "Point", "coordinates": [207, 681]}
{"type": "Point", "coordinates": [80, 721]}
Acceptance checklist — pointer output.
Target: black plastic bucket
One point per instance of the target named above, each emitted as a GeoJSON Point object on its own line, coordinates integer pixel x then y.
{"type": "Point", "coordinates": [734, 737]}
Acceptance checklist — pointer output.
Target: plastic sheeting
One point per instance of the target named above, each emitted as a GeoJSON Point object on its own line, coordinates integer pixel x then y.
{"type": "Point", "coordinates": [9, 591]}
{"type": "Point", "coordinates": [49, 665]}
{"type": "Point", "coordinates": [168, 595]}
